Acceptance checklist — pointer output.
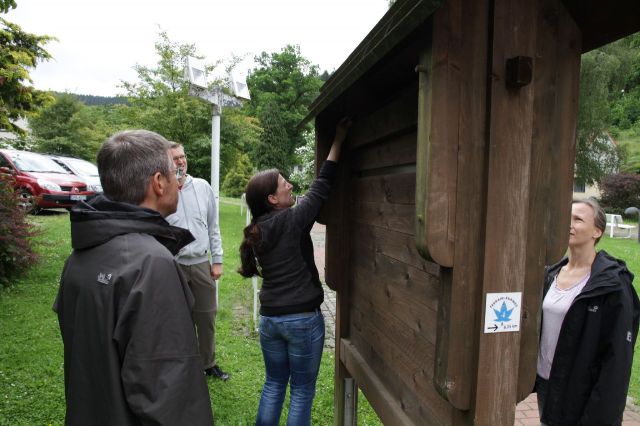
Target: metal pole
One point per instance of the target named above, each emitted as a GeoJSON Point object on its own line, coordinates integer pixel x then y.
{"type": "Point", "coordinates": [254, 284]}
{"type": "Point", "coordinates": [215, 152]}
{"type": "Point", "coordinates": [350, 402]}
{"type": "Point", "coordinates": [634, 210]}
{"type": "Point", "coordinates": [215, 161]}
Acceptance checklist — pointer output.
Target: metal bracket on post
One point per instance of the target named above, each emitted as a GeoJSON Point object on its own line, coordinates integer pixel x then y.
{"type": "Point", "coordinates": [350, 402]}
{"type": "Point", "coordinates": [519, 71]}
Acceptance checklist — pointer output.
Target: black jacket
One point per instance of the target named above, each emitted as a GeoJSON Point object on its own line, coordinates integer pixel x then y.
{"type": "Point", "coordinates": [124, 309]}
{"type": "Point", "coordinates": [591, 366]}
{"type": "Point", "coordinates": [290, 282]}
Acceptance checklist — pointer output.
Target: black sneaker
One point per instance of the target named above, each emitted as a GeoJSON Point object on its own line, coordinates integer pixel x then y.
{"type": "Point", "coordinates": [216, 372]}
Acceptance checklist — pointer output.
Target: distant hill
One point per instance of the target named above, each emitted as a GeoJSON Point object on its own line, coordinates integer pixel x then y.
{"type": "Point", "coordinates": [91, 100]}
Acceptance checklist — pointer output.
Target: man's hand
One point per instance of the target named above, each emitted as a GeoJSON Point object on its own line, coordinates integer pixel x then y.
{"type": "Point", "coordinates": [216, 271]}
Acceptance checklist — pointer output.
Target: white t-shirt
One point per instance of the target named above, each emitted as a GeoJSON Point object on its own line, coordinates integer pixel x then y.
{"type": "Point", "coordinates": [554, 307]}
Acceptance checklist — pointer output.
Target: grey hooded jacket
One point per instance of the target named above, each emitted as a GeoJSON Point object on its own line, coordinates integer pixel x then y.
{"type": "Point", "coordinates": [197, 212]}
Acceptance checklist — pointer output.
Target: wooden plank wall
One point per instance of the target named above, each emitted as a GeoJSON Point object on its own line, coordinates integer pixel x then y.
{"type": "Point", "coordinates": [409, 330]}
{"type": "Point", "coordinates": [379, 160]}
{"type": "Point", "coordinates": [394, 292]}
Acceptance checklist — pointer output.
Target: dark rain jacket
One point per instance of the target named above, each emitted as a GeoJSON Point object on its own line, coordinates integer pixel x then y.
{"type": "Point", "coordinates": [290, 280]}
{"type": "Point", "coordinates": [124, 309]}
{"type": "Point", "coordinates": [592, 362]}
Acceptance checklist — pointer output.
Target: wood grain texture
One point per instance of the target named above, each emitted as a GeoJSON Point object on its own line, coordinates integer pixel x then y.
{"type": "Point", "coordinates": [511, 127]}
{"type": "Point", "coordinates": [551, 179]}
{"type": "Point", "coordinates": [460, 41]}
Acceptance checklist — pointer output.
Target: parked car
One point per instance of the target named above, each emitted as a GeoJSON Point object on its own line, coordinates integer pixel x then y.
{"type": "Point", "coordinates": [40, 181]}
{"type": "Point", "coordinates": [85, 170]}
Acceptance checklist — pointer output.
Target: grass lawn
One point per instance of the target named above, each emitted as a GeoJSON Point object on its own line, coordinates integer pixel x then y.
{"type": "Point", "coordinates": [31, 364]}
{"type": "Point", "coordinates": [629, 251]}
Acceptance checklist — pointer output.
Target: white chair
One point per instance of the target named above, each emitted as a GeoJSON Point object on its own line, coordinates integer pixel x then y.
{"type": "Point", "coordinates": [615, 221]}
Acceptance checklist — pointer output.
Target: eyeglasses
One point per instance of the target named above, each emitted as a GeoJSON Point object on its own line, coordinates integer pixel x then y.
{"type": "Point", "coordinates": [180, 157]}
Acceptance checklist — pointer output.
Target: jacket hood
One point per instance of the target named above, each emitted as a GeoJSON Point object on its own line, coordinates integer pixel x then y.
{"type": "Point", "coordinates": [606, 272]}
{"type": "Point", "coordinates": [101, 219]}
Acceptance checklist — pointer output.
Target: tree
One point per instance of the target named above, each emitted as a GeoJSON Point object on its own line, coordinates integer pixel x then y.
{"type": "Point", "coordinates": [239, 134]}
{"type": "Point", "coordinates": [271, 151]}
{"type": "Point", "coordinates": [305, 157]}
{"type": "Point", "coordinates": [287, 83]}
{"type": "Point", "coordinates": [53, 121]}
{"type": "Point", "coordinates": [624, 84]}
{"type": "Point", "coordinates": [595, 157]}
{"type": "Point", "coordinates": [67, 127]}
{"type": "Point", "coordinates": [160, 101]}
{"type": "Point", "coordinates": [161, 98]}
{"type": "Point", "coordinates": [5, 5]}
{"type": "Point", "coordinates": [235, 181]}
{"type": "Point", "coordinates": [19, 51]}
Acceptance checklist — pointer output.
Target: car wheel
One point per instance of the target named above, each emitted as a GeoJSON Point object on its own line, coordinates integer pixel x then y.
{"type": "Point", "coordinates": [27, 201]}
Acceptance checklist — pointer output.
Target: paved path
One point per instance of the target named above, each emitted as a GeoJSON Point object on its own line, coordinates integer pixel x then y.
{"type": "Point", "coordinates": [526, 411]}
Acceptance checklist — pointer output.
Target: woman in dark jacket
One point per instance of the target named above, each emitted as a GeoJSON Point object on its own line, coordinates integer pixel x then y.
{"type": "Point", "coordinates": [590, 317]}
{"type": "Point", "coordinates": [277, 246]}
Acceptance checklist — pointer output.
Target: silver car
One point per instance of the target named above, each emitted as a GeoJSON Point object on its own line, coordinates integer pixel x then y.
{"type": "Point", "coordinates": [85, 170]}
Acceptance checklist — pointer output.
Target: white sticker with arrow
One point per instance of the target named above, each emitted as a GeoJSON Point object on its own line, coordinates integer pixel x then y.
{"type": "Point", "coordinates": [502, 312]}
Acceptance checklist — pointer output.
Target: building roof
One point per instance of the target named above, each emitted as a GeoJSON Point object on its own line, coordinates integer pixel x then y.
{"type": "Point", "coordinates": [601, 22]}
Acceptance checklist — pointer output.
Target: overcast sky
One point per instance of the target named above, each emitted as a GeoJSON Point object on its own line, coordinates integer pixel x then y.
{"type": "Point", "coordinates": [100, 41]}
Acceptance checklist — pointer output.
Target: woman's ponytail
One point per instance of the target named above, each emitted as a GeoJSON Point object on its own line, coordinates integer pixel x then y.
{"type": "Point", "coordinates": [248, 251]}
{"type": "Point", "coordinates": [260, 186]}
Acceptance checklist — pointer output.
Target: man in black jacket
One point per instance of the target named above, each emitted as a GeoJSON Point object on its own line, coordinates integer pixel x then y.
{"type": "Point", "coordinates": [124, 309]}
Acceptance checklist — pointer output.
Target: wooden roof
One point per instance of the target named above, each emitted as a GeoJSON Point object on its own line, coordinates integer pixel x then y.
{"type": "Point", "coordinates": [601, 22]}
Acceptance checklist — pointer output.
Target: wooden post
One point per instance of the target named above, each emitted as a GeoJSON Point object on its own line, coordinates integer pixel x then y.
{"type": "Point", "coordinates": [458, 126]}
{"type": "Point", "coordinates": [336, 216]}
{"type": "Point", "coordinates": [507, 206]}
{"type": "Point", "coordinates": [557, 73]}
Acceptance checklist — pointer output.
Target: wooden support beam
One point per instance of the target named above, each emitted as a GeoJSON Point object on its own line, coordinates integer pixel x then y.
{"type": "Point", "coordinates": [459, 71]}
{"type": "Point", "coordinates": [387, 406]}
{"type": "Point", "coordinates": [557, 71]}
{"type": "Point", "coordinates": [511, 126]}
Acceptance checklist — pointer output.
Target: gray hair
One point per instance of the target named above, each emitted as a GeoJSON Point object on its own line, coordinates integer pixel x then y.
{"type": "Point", "coordinates": [128, 160]}
{"type": "Point", "coordinates": [599, 216]}
{"type": "Point", "coordinates": [175, 145]}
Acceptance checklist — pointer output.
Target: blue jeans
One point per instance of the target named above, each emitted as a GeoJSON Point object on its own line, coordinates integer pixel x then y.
{"type": "Point", "coordinates": [292, 350]}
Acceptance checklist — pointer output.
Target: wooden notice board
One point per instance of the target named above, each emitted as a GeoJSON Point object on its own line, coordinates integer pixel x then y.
{"type": "Point", "coordinates": [455, 183]}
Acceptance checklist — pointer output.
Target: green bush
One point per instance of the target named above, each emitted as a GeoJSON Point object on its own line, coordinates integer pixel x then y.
{"type": "Point", "coordinates": [236, 180]}
{"type": "Point", "coordinates": [15, 233]}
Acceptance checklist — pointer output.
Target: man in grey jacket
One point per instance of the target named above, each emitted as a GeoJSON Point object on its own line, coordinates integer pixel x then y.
{"type": "Point", "coordinates": [200, 261]}
{"type": "Point", "coordinates": [124, 309]}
